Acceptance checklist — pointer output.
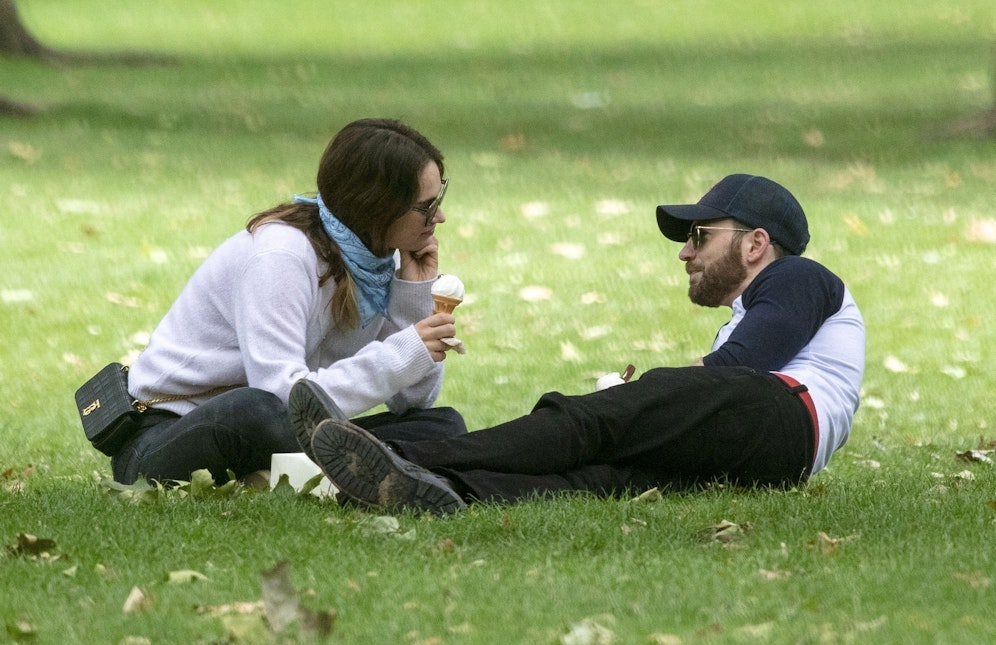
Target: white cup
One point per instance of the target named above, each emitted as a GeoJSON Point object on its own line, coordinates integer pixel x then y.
{"type": "Point", "coordinates": [299, 469]}
{"type": "Point", "coordinates": [607, 381]}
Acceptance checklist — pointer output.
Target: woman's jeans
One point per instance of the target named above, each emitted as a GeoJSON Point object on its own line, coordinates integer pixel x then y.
{"type": "Point", "coordinates": [240, 430]}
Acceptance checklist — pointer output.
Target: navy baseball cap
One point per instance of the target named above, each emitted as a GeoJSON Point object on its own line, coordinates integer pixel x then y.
{"type": "Point", "coordinates": [755, 201]}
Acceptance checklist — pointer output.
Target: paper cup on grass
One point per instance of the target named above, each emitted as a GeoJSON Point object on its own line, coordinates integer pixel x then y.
{"type": "Point", "coordinates": [299, 469]}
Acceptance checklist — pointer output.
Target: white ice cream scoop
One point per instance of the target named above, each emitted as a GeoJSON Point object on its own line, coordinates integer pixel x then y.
{"type": "Point", "coordinates": [448, 285]}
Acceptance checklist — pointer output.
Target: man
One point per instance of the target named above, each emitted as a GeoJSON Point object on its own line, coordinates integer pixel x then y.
{"type": "Point", "coordinates": [767, 406]}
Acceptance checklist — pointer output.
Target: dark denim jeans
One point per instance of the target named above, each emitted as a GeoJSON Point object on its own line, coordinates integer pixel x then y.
{"type": "Point", "coordinates": [673, 428]}
{"type": "Point", "coordinates": [240, 430]}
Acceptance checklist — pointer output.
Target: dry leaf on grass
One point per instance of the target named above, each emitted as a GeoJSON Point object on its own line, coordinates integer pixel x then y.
{"type": "Point", "coordinates": [136, 602]}
{"type": "Point", "coordinates": [975, 579]}
{"type": "Point", "coordinates": [22, 631]}
{"type": "Point", "coordinates": [826, 544]}
{"type": "Point", "coordinates": [185, 576]}
{"type": "Point", "coordinates": [32, 547]}
{"type": "Point", "coordinates": [281, 606]}
{"type": "Point", "coordinates": [588, 632]}
{"type": "Point", "coordinates": [725, 532]}
{"type": "Point", "coordinates": [648, 496]}
{"type": "Point", "coordinates": [776, 574]}
{"type": "Point", "coordinates": [975, 456]}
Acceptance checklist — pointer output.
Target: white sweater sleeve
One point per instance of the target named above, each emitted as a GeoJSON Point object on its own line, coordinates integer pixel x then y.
{"type": "Point", "coordinates": [284, 328]}
{"type": "Point", "coordinates": [253, 314]}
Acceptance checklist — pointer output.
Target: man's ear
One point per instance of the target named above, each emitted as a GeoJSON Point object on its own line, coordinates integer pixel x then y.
{"type": "Point", "coordinates": [760, 245]}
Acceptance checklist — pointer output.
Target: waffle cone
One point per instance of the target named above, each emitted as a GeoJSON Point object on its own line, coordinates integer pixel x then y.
{"type": "Point", "coordinates": [444, 304]}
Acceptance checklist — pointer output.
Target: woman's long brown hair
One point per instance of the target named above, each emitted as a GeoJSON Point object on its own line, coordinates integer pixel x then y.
{"type": "Point", "coordinates": [368, 177]}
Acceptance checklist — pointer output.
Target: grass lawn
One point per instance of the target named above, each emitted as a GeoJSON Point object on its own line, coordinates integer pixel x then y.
{"type": "Point", "coordinates": [564, 124]}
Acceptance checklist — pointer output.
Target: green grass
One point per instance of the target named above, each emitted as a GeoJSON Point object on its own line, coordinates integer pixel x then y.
{"type": "Point", "coordinates": [564, 124]}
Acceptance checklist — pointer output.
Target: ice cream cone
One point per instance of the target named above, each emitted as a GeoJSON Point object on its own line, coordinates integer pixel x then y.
{"type": "Point", "coordinates": [444, 304]}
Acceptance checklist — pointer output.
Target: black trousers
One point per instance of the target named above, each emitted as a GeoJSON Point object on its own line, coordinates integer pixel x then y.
{"type": "Point", "coordinates": [240, 430]}
{"type": "Point", "coordinates": [673, 427]}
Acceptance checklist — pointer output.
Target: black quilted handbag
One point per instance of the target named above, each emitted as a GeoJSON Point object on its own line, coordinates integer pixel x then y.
{"type": "Point", "coordinates": [110, 416]}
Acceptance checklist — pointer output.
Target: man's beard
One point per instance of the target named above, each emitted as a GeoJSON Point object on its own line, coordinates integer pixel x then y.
{"type": "Point", "coordinates": [719, 280]}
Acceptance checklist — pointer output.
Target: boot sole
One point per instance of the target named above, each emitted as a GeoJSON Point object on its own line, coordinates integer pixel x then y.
{"type": "Point", "coordinates": [369, 472]}
{"type": "Point", "coordinates": [307, 406]}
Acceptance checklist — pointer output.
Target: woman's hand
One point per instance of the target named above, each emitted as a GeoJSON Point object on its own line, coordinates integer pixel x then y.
{"type": "Point", "coordinates": [432, 330]}
{"type": "Point", "coordinates": [421, 265]}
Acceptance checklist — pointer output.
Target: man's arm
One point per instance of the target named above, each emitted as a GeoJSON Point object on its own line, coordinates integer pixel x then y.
{"type": "Point", "coordinates": [785, 306]}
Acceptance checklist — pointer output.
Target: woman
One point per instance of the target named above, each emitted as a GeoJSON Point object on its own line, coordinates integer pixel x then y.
{"type": "Point", "coordinates": [335, 290]}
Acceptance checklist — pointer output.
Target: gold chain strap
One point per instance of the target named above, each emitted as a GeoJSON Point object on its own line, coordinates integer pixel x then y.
{"type": "Point", "coordinates": [142, 406]}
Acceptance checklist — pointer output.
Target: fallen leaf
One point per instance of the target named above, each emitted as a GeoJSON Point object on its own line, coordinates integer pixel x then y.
{"type": "Point", "coordinates": [24, 151]}
{"type": "Point", "coordinates": [611, 207]}
{"type": "Point", "coordinates": [588, 632]}
{"type": "Point", "coordinates": [380, 524]}
{"type": "Point", "coordinates": [279, 598]}
{"type": "Point", "coordinates": [647, 496]}
{"type": "Point", "coordinates": [311, 484]}
{"type": "Point", "coordinates": [251, 628]}
{"type": "Point", "coordinates": [756, 633]}
{"type": "Point", "coordinates": [244, 607]}
{"type": "Point", "coordinates": [568, 352]}
{"type": "Point", "coordinates": [954, 371]}
{"type": "Point", "coordinates": [30, 546]}
{"type": "Point", "coordinates": [21, 630]}
{"type": "Point", "coordinates": [185, 576]}
{"type": "Point", "coordinates": [813, 138]}
{"type": "Point", "coordinates": [532, 210]}
{"type": "Point", "coordinates": [982, 231]}
{"type": "Point", "coordinates": [513, 143]}
{"type": "Point", "coordinates": [11, 296]}
{"type": "Point", "coordinates": [855, 223]}
{"type": "Point", "coordinates": [283, 487]}
{"type": "Point", "coordinates": [827, 544]}
{"type": "Point", "coordinates": [139, 492]}
{"type": "Point", "coordinates": [316, 625]}
{"type": "Point", "coordinates": [895, 365]}
{"type": "Point", "coordinates": [568, 250]}
{"type": "Point", "coordinates": [939, 299]}
{"type": "Point", "coordinates": [125, 301]}
{"type": "Point", "coordinates": [975, 456]}
{"type": "Point", "coordinates": [976, 579]}
{"type": "Point", "coordinates": [281, 606]}
{"type": "Point", "coordinates": [725, 532]}
{"type": "Point", "coordinates": [136, 602]}
{"type": "Point", "coordinates": [773, 574]}
{"type": "Point", "coordinates": [535, 293]}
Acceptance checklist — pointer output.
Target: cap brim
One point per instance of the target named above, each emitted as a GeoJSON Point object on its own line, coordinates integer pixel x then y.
{"type": "Point", "coordinates": [675, 221]}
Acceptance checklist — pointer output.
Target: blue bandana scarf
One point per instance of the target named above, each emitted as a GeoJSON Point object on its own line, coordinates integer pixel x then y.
{"type": "Point", "coordinates": [371, 274]}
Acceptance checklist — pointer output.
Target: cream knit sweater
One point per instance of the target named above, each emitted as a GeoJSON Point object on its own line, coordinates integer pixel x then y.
{"type": "Point", "coordinates": [253, 314]}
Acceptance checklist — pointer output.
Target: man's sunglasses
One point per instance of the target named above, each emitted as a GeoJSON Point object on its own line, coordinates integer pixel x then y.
{"type": "Point", "coordinates": [697, 237]}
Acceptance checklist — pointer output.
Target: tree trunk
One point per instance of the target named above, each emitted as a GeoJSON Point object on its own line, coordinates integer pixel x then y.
{"type": "Point", "coordinates": [15, 38]}
{"type": "Point", "coordinates": [979, 126]}
{"type": "Point", "coordinates": [14, 108]}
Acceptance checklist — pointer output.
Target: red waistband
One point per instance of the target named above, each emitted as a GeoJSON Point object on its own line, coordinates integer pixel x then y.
{"type": "Point", "coordinates": [803, 393]}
